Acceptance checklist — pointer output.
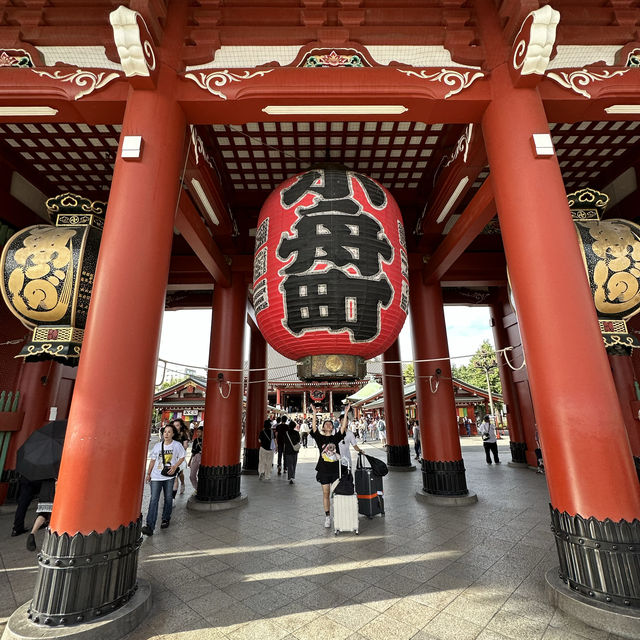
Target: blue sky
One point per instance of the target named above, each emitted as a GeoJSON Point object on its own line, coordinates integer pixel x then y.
{"type": "Point", "coordinates": [185, 335]}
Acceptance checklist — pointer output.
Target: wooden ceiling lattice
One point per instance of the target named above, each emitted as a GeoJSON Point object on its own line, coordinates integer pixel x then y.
{"type": "Point", "coordinates": [76, 157]}
{"type": "Point", "coordinates": [259, 156]}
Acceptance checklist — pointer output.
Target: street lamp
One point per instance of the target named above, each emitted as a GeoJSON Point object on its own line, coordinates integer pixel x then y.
{"type": "Point", "coordinates": [486, 364]}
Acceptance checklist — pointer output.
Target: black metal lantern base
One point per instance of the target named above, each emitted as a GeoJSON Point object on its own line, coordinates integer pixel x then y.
{"type": "Point", "coordinates": [218, 483]}
{"type": "Point", "coordinates": [600, 560]}
{"type": "Point", "coordinates": [250, 461]}
{"type": "Point", "coordinates": [518, 450]}
{"type": "Point", "coordinates": [83, 577]}
{"type": "Point", "coordinates": [444, 478]}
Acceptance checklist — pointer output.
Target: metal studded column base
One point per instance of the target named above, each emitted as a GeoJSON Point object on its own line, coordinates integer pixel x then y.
{"type": "Point", "coordinates": [600, 560]}
{"type": "Point", "coordinates": [84, 577]}
{"type": "Point", "coordinates": [399, 458]}
{"type": "Point", "coordinates": [518, 455]}
{"type": "Point", "coordinates": [444, 478]}
{"type": "Point", "coordinates": [218, 483]}
{"type": "Point", "coordinates": [250, 461]}
{"type": "Point", "coordinates": [445, 484]}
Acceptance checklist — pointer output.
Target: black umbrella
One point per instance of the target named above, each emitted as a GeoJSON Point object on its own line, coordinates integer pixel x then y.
{"type": "Point", "coordinates": [39, 457]}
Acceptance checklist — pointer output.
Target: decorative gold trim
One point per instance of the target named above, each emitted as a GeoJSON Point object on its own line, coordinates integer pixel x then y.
{"type": "Point", "coordinates": [220, 78]}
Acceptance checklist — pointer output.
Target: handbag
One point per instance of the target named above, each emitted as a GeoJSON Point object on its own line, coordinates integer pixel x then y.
{"type": "Point", "coordinates": [295, 447]}
{"type": "Point", "coordinates": [485, 436]}
{"type": "Point", "coordinates": [166, 469]}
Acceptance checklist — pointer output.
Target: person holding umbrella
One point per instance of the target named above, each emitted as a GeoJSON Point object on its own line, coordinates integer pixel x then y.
{"type": "Point", "coordinates": [38, 459]}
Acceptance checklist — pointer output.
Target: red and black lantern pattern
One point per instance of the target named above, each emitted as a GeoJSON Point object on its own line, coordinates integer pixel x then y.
{"type": "Point", "coordinates": [330, 270]}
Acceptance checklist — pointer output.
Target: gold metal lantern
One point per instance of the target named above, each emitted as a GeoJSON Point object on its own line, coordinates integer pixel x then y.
{"type": "Point", "coordinates": [47, 277]}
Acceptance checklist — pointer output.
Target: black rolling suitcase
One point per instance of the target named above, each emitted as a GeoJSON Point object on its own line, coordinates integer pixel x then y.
{"type": "Point", "coordinates": [369, 490]}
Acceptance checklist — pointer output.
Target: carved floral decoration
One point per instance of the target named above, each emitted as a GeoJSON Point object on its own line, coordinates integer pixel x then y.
{"type": "Point", "coordinates": [578, 80]}
{"type": "Point", "coordinates": [458, 79]}
{"type": "Point", "coordinates": [15, 58]}
{"type": "Point", "coordinates": [86, 81]}
{"type": "Point", "coordinates": [208, 81]}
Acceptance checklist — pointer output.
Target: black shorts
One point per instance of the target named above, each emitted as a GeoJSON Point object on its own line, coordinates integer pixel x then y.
{"type": "Point", "coordinates": [327, 477]}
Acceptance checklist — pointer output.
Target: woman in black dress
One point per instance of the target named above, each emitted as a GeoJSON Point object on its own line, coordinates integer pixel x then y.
{"type": "Point", "coordinates": [327, 468]}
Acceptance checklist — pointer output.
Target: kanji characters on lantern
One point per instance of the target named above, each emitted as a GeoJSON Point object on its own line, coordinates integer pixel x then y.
{"type": "Point", "coordinates": [330, 269]}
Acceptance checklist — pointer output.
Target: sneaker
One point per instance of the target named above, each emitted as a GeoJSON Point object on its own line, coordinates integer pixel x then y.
{"type": "Point", "coordinates": [497, 461]}
{"type": "Point", "coordinates": [279, 471]}
{"type": "Point", "coordinates": [147, 530]}
{"type": "Point", "coordinates": [18, 532]}
{"type": "Point", "coordinates": [165, 524]}
{"type": "Point", "coordinates": [291, 481]}
{"type": "Point", "coordinates": [31, 542]}
{"type": "Point", "coordinates": [327, 522]}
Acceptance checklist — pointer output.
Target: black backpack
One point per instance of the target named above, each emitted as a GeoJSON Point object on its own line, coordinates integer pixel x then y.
{"type": "Point", "coordinates": [378, 467]}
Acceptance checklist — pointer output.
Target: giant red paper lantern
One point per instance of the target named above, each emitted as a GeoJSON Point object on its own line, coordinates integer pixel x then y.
{"type": "Point", "coordinates": [330, 284]}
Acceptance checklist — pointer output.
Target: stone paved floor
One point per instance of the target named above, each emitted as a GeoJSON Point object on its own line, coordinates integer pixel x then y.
{"type": "Point", "coordinates": [270, 570]}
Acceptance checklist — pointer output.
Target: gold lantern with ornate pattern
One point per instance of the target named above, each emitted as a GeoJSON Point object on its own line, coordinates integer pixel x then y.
{"type": "Point", "coordinates": [47, 277]}
{"type": "Point", "coordinates": [611, 252]}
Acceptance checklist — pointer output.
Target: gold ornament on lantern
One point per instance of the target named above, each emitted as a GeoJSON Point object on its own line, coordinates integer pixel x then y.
{"type": "Point", "coordinates": [611, 253]}
{"type": "Point", "coordinates": [47, 277]}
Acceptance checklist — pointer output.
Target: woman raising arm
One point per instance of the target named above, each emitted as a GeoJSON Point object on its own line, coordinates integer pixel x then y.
{"type": "Point", "coordinates": [327, 468]}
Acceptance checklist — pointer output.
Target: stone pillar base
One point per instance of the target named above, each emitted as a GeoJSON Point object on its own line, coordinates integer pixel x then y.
{"type": "Point", "coordinates": [518, 465]}
{"type": "Point", "coordinates": [447, 501]}
{"type": "Point", "coordinates": [193, 504]}
{"type": "Point", "coordinates": [401, 467]}
{"type": "Point", "coordinates": [111, 626]}
{"type": "Point", "coordinates": [620, 621]}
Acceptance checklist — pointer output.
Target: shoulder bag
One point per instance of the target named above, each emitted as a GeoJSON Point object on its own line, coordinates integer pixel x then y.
{"type": "Point", "coordinates": [166, 469]}
{"type": "Point", "coordinates": [295, 447]}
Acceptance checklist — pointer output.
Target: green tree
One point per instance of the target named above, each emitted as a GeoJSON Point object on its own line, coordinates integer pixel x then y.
{"type": "Point", "coordinates": [170, 382]}
{"type": "Point", "coordinates": [408, 374]}
{"type": "Point", "coordinates": [483, 360]}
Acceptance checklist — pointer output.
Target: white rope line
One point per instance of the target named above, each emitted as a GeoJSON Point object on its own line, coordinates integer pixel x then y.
{"type": "Point", "coordinates": [288, 366]}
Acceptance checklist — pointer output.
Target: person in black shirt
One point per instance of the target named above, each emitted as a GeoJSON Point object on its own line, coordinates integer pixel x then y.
{"type": "Point", "coordinates": [291, 438]}
{"type": "Point", "coordinates": [327, 467]}
{"type": "Point", "coordinates": [281, 430]}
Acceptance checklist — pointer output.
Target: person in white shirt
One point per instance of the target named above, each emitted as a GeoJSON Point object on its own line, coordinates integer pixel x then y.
{"type": "Point", "coordinates": [382, 431]}
{"type": "Point", "coordinates": [345, 453]}
{"type": "Point", "coordinates": [168, 455]}
{"type": "Point", "coordinates": [488, 433]}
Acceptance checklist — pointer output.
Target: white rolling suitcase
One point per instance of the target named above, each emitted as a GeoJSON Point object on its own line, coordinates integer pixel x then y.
{"type": "Point", "coordinates": [345, 510]}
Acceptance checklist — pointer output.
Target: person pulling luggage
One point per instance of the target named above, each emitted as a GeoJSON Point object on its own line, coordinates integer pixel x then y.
{"type": "Point", "coordinates": [327, 467]}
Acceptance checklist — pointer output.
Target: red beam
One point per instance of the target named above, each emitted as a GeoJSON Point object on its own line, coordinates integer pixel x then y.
{"type": "Point", "coordinates": [478, 213]}
{"type": "Point", "coordinates": [454, 181]}
{"type": "Point", "coordinates": [191, 226]}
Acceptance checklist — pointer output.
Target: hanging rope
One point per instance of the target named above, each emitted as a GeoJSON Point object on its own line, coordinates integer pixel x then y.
{"type": "Point", "coordinates": [506, 359]}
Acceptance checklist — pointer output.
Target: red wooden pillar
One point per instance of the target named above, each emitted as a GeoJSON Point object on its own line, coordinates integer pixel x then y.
{"type": "Point", "coordinates": [586, 449]}
{"type": "Point", "coordinates": [100, 484]}
{"type": "Point", "coordinates": [624, 378]}
{"type": "Point", "coordinates": [443, 472]}
{"type": "Point", "coordinates": [219, 476]}
{"type": "Point", "coordinates": [398, 454]}
{"type": "Point", "coordinates": [256, 401]}
{"type": "Point", "coordinates": [516, 431]}
{"type": "Point", "coordinates": [38, 385]}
